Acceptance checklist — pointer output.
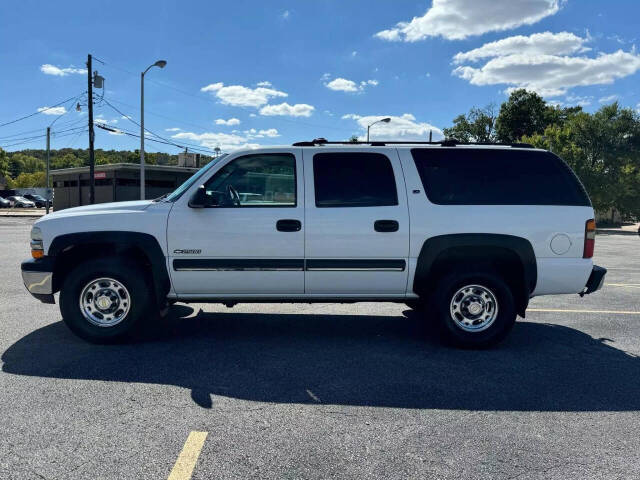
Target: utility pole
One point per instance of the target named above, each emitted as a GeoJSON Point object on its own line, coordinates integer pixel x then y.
{"type": "Point", "coordinates": [92, 162]}
{"type": "Point", "coordinates": [48, 182]}
{"type": "Point", "coordinates": [142, 176]}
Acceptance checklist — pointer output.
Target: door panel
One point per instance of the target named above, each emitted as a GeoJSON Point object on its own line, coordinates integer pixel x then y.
{"type": "Point", "coordinates": [231, 249]}
{"type": "Point", "coordinates": [360, 249]}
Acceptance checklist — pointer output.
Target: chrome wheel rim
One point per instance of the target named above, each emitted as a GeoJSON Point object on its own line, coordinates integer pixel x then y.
{"type": "Point", "coordinates": [105, 302]}
{"type": "Point", "coordinates": [474, 308]}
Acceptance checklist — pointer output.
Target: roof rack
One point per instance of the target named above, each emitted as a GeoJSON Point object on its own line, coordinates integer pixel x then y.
{"type": "Point", "coordinates": [448, 142]}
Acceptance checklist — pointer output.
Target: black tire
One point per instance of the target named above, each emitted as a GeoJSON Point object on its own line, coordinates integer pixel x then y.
{"type": "Point", "coordinates": [139, 294]}
{"type": "Point", "coordinates": [450, 328]}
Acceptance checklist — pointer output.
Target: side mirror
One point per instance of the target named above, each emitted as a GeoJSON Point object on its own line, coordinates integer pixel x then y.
{"type": "Point", "coordinates": [199, 198]}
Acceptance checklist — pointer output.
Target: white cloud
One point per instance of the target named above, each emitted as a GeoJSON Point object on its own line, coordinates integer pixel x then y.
{"type": "Point", "coordinates": [226, 141]}
{"type": "Point", "coordinates": [212, 87]}
{"type": "Point", "coordinates": [286, 14]}
{"type": "Point", "coordinates": [297, 110]}
{"type": "Point", "coordinates": [101, 119]}
{"type": "Point", "coordinates": [49, 69]}
{"type": "Point", "coordinates": [345, 85]}
{"type": "Point", "coordinates": [401, 128]}
{"type": "Point", "coordinates": [459, 19]}
{"type": "Point", "coordinates": [545, 43]}
{"type": "Point", "coordinates": [271, 132]}
{"type": "Point", "coordinates": [551, 75]}
{"type": "Point", "coordinates": [53, 110]}
{"type": "Point", "coordinates": [578, 100]}
{"type": "Point", "coordinates": [608, 99]}
{"type": "Point", "coordinates": [342, 84]}
{"type": "Point", "coordinates": [241, 96]}
{"type": "Point", "coordinates": [264, 84]}
{"type": "Point", "coordinates": [230, 122]}
{"type": "Point", "coordinates": [172, 129]}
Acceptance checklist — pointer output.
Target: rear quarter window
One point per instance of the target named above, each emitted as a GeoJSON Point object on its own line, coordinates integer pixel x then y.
{"type": "Point", "coordinates": [461, 176]}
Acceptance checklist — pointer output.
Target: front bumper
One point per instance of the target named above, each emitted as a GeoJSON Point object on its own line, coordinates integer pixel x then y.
{"type": "Point", "coordinates": [596, 280]}
{"type": "Point", "coordinates": [37, 275]}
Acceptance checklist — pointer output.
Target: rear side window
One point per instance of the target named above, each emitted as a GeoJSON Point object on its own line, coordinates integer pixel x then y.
{"type": "Point", "coordinates": [353, 179]}
{"type": "Point", "coordinates": [461, 176]}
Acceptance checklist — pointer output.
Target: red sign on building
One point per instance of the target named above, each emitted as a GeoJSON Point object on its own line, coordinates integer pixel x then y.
{"type": "Point", "coordinates": [99, 175]}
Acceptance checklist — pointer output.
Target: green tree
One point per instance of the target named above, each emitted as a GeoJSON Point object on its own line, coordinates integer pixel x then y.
{"type": "Point", "coordinates": [4, 163]}
{"type": "Point", "coordinates": [68, 160]}
{"type": "Point", "coordinates": [604, 150]}
{"type": "Point", "coordinates": [523, 114]}
{"type": "Point", "coordinates": [28, 180]}
{"type": "Point", "coordinates": [476, 126]}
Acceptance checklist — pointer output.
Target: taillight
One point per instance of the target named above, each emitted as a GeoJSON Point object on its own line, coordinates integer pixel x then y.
{"type": "Point", "coordinates": [589, 238]}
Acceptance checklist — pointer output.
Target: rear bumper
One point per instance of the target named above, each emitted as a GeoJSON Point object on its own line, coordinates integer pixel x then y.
{"type": "Point", "coordinates": [596, 280]}
{"type": "Point", "coordinates": [37, 276]}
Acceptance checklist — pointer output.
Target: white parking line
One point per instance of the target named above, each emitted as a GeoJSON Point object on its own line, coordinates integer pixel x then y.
{"type": "Point", "coordinates": [183, 469]}
{"type": "Point", "coordinates": [614, 312]}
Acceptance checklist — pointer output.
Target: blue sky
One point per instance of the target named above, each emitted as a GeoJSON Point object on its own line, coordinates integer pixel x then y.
{"type": "Point", "coordinates": [258, 73]}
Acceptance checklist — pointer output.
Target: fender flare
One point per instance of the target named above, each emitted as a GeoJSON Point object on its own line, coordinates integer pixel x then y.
{"type": "Point", "coordinates": [435, 246]}
{"type": "Point", "coordinates": [147, 243]}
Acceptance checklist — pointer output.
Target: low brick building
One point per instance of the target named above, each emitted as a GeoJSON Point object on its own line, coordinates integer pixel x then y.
{"type": "Point", "coordinates": [117, 182]}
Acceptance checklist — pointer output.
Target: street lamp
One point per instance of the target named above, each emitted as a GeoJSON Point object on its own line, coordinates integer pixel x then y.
{"type": "Point", "coordinates": [383, 120]}
{"type": "Point", "coordinates": [161, 64]}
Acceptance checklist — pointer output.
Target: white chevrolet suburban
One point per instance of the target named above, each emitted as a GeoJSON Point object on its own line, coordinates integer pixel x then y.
{"type": "Point", "coordinates": [470, 231]}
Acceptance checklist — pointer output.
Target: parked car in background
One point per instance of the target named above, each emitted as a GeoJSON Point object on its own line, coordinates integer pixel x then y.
{"type": "Point", "coordinates": [20, 202]}
{"type": "Point", "coordinates": [39, 200]}
{"type": "Point", "coordinates": [4, 203]}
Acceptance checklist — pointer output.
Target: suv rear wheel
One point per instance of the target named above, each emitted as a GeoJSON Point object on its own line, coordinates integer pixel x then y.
{"type": "Point", "coordinates": [474, 310]}
{"type": "Point", "coordinates": [105, 300]}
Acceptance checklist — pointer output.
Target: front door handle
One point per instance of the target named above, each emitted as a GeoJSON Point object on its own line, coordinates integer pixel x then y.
{"type": "Point", "coordinates": [386, 226]}
{"type": "Point", "coordinates": [288, 225]}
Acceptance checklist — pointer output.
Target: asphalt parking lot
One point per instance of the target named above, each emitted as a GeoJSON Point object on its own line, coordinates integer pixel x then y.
{"type": "Point", "coordinates": [324, 391]}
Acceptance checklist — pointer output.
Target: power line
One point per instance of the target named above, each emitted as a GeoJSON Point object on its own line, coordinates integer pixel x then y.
{"type": "Point", "coordinates": [32, 139]}
{"type": "Point", "coordinates": [120, 130]}
{"type": "Point", "coordinates": [136, 123]}
{"type": "Point", "coordinates": [62, 115]}
{"type": "Point", "coordinates": [170, 142]}
{"type": "Point", "coordinates": [39, 111]}
{"type": "Point", "coordinates": [124, 132]}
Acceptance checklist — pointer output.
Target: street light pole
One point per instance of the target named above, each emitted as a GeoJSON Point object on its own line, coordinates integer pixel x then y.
{"type": "Point", "coordinates": [383, 120]}
{"type": "Point", "coordinates": [161, 64]}
{"type": "Point", "coordinates": [48, 181]}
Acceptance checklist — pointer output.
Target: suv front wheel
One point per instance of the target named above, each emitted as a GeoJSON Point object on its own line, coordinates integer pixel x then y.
{"type": "Point", "coordinates": [105, 300]}
{"type": "Point", "coordinates": [474, 310]}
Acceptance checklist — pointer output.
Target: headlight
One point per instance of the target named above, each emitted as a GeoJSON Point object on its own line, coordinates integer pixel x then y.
{"type": "Point", "coordinates": [37, 247]}
{"type": "Point", "coordinates": [36, 233]}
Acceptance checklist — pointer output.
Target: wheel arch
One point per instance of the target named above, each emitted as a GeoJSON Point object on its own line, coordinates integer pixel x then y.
{"type": "Point", "coordinates": [70, 249]}
{"type": "Point", "coordinates": [511, 256]}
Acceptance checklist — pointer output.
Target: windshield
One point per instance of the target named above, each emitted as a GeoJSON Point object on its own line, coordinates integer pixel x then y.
{"type": "Point", "coordinates": [177, 193]}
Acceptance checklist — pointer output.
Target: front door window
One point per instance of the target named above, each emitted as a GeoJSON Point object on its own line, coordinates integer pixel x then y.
{"type": "Point", "coordinates": [261, 180]}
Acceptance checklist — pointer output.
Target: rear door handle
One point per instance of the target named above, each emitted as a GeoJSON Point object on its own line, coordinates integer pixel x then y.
{"type": "Point", "coordinates": [386, 226]}
{"type": "Point", "coordinates": [288, 225]}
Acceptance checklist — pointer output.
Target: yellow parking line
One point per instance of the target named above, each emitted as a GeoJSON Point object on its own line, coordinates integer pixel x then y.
{"type": "Point", "coordinates": [615, 312]}
{"type": "Point", "coordinates": [183, 469]}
